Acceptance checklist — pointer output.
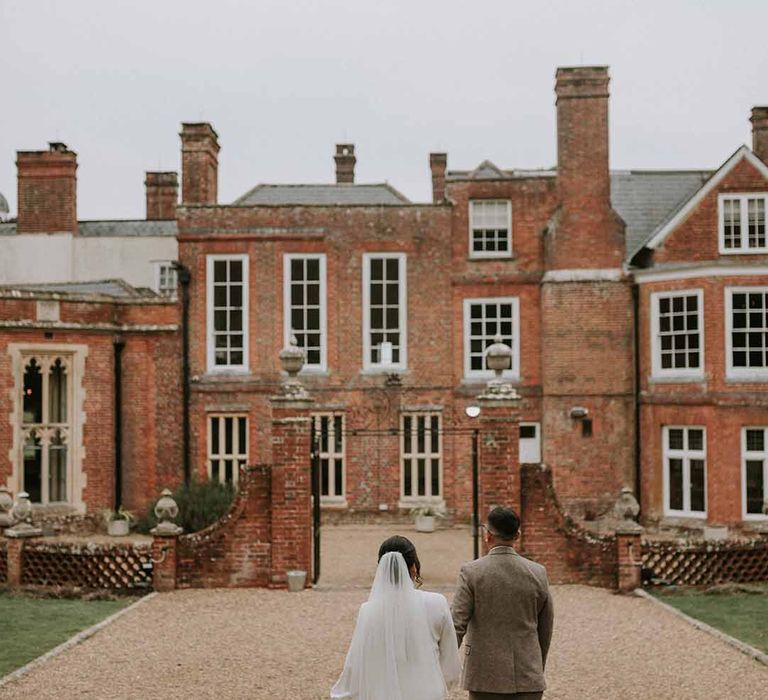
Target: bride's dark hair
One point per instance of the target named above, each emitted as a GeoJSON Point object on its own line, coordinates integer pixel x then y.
{"type": "Point", "coordinates": [396, 543]}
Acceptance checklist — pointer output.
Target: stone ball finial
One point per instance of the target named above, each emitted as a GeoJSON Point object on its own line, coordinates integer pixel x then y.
{"type": "Point", "coordinates": [166, 511]}
{"type": "Point", "coordinates": [6, 504]}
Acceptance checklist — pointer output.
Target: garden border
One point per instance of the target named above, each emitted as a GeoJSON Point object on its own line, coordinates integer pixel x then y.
{"type": "Point", "coordinates": [743, 647]}
{"type": "Point", "coordinates": [71, 642]}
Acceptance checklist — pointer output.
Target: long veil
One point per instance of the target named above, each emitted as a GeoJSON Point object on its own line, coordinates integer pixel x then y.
{"type": "Point", "coordinates": [392, 654]}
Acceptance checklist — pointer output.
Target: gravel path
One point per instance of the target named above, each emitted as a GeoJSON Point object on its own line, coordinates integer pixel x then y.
{"type": "Point", "coordinates": [259, 644]}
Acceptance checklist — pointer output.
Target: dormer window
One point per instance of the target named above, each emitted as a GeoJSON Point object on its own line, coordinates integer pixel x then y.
{"type": "Point", "coordinates": [490, 228]}
{"type": "Point", "coordinates": [742, 223]}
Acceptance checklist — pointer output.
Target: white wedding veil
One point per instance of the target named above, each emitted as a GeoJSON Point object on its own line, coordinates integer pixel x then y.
{"type": "Point", "coordinates": [392, 654]}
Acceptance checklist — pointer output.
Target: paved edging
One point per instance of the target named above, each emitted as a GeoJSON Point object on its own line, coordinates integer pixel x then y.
{"type": "Point", "coordinates": [71, 642]}
{"type": "Point", "coordinates": [743, 647]}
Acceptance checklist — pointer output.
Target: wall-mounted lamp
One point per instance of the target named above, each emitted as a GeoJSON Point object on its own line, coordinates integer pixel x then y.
{"type": "Point", "coordinates": [472, 411]}
{"type": "Point", "coordinates": [579, 412]}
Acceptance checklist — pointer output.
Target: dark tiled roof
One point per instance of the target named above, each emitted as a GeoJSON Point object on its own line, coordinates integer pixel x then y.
{"type": "Point", "coordinates": [346, 194]}
{"type": "Point", "coordinates": [139, 227]}
{"type": "Point", "coordinates": [117, 228]}
{"type": "Point", "coordinates": [109, 288]}
{"type": "Point", "coordinates": [647, 198]}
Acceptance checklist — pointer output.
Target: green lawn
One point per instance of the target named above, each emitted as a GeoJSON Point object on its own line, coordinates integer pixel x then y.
{"type": "Point", "coordinates": [33, 626]}
{"type": "Point", "coordinates": [738, 613]}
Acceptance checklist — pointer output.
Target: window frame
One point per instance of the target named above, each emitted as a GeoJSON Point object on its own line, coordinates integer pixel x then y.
{"type": "Point", "coordinates": [513, 372]}
{"type": "Point", "coordinates": [742, 374]}
{"type": "Point", "coordinates": [338, 500]}
{"type": "Point", "coordinates": [751, 454]}
{"type": "Point", "coordinates": [159, 265]}
{"type": "Point", "coordinates": [686, 455]}
{"type": "Point", "coordinates": [480, 255]}
{"type": "Point", "coordinates": [211, 366]}
{"type": "Point", "coordinates": [743, 198]}
{"type": "Point", "coordinates": [402, 365]}
{"type": "Point", "coordinates": [536, 425]}
{"type": "Point", "coordinates": [287, 307]}
{"type": "Point", "coordinates": [657, 371]}
{"type": "Point", "coordinates": [235, 456]}
{"type": "Point", "coordinates": [411, 501]}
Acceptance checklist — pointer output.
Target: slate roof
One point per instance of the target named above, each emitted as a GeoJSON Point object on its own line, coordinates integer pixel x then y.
{"type": "Point", "coordinates": [344, 194]}
{"type": "Point", "coordinates": [116, 228]}
{"type": "Point", "coordinates": [110, 288]}
{"type": "Point", "coordinates": [645, 199]}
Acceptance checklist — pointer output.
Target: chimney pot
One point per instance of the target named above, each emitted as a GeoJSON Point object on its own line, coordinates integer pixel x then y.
{"type": "Point", "coordinates": [345, 163]}
{"type": "Point", "coordinates": [759, 121]}
{"type": "Point", "coordinates": [437, 165]}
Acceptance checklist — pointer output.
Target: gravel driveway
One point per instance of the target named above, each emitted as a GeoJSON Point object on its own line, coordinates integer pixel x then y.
{"type": "Point", "coordinates": [270, 644]}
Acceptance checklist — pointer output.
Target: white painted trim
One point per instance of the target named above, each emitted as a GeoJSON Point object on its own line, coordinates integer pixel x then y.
{"type": "Point", "coordinates": [514, 371]}
{"type": "Point", "coordinates": [77, 480]}
{"type": "Point", "coordinates": [586, 275]}
{"type": "Point", "coordinates": [759, 517]}
{"type": "Point", "coordinates": [743, 152]}
{"type": "Point", "coordinates": [657, 372]}
{"type": "Point", "coordinates": [72, 641]}
{"type": "Point", "coordinates": [238, 459]}
{"type": "Point", "coordinates": [414, 499]}
{"type": "Point", "coordinates": [743, 197]}
{"type": "Point", "coordinates": [693, 272]}
{"type": "Point", "coordinates": [480, 255]}
{"type": "Point", "coordinates": [536, 447]}
{"type": "Point", "coordinates": [287, 258]}
{"type": "Point", "coordinates": [402, 305]}
{"type": "Point", "coordinates": [731, 372]}
{"type": "Point", "coordinates": [339, 501]}
{"type": "Point", "coordinates": [686, 455]}
{"type": "Point", "coordinates": [211, 366]}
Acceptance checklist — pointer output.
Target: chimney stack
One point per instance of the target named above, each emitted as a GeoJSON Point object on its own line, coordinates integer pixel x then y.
{"type": "Point", "coordinates": [582, 133]}
{"type": "Point", "coordinates": [759, 121]}
{"type": "Point", "coordinates": [199, 163]}
{"type": "Point", "coordinates": [47, 190]}
{"type": "Point", "coordinates": [162, 195]}
{"type": "Point", "coordinates": [588, 233]}
{"type": "Point", "coordinates": [437, 164]}
{"type": "Point", "coordinates": [345, 163]}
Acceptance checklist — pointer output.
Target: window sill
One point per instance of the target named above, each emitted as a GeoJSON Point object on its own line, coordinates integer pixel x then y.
{"type": "Point", "coordinates": [746, 378]}
{"type": "Point", "coordinates": [486, 258]}
{"type": "Point", "coordinates": [677, 379]}
{"type": "Point", "coordinates": [409, 502]}
{"type": "Point", "coordinates": [333, 504]}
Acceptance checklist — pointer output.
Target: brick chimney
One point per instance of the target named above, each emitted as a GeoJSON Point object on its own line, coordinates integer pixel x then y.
{"type": "Point", "coordinates": [437, 164]}
{"type": "Point", "coordinates": [162, 195]}
{"type": "Point", "coordinates": [47, 190]}
{"type": "Point", "coordinates": [345, 163]}
{"type": "Point", "coordinates": [199, 163]}
{"type": "Point", "coordinates": [759, 121]}
{"type": "Point", "coordinates": [588, 234]}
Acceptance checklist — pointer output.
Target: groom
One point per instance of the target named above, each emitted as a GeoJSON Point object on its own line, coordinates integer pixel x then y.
{"type": "Point", "coordinates": [503, 606]}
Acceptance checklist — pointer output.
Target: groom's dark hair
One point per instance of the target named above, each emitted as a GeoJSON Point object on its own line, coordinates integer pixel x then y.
{"type": "Point", "coordinates": [396, 543]}
{"type": "Point", "coordinates": [504, 523]}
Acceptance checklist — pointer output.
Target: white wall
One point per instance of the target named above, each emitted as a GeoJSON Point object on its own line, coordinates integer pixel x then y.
{"type": "Point", "coordinates": [37, 258]}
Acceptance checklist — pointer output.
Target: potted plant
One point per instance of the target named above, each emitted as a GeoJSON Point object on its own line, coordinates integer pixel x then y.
{"type": "Point", "coordinates": [118, 522]}
{"type": "Point", "coordinates": [425, 517]}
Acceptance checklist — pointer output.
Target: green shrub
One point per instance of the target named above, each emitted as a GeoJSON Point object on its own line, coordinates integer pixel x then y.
{"type": "Point", "coordinates": [201, 503]}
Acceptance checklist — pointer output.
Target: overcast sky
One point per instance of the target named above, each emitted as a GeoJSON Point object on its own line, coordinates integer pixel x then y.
{"type": "Point", "coordinates": [282, 81]}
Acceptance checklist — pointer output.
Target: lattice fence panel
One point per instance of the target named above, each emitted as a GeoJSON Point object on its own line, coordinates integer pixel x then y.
{"type": "Point", "coordinates": [3, 563]}
{"type": "Point", "coordinates": [707, 564]}
{"type": "Point", "coordinates": [110, 567]}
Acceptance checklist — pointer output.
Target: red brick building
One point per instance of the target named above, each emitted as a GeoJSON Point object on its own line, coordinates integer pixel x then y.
{"type": "Point", "coordinates": [630, 300]}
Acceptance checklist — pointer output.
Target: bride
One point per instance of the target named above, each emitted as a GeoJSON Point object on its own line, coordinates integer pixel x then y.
{"type": "Point", "coordinates": [404, 645]}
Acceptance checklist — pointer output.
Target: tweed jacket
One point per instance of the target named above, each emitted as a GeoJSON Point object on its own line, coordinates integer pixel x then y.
{"type": "Point", "coordinates": [503, 612]}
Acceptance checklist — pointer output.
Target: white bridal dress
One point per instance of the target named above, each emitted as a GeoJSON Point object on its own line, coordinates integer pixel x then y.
{"type": "Point", "coordinates": [404, 645]}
